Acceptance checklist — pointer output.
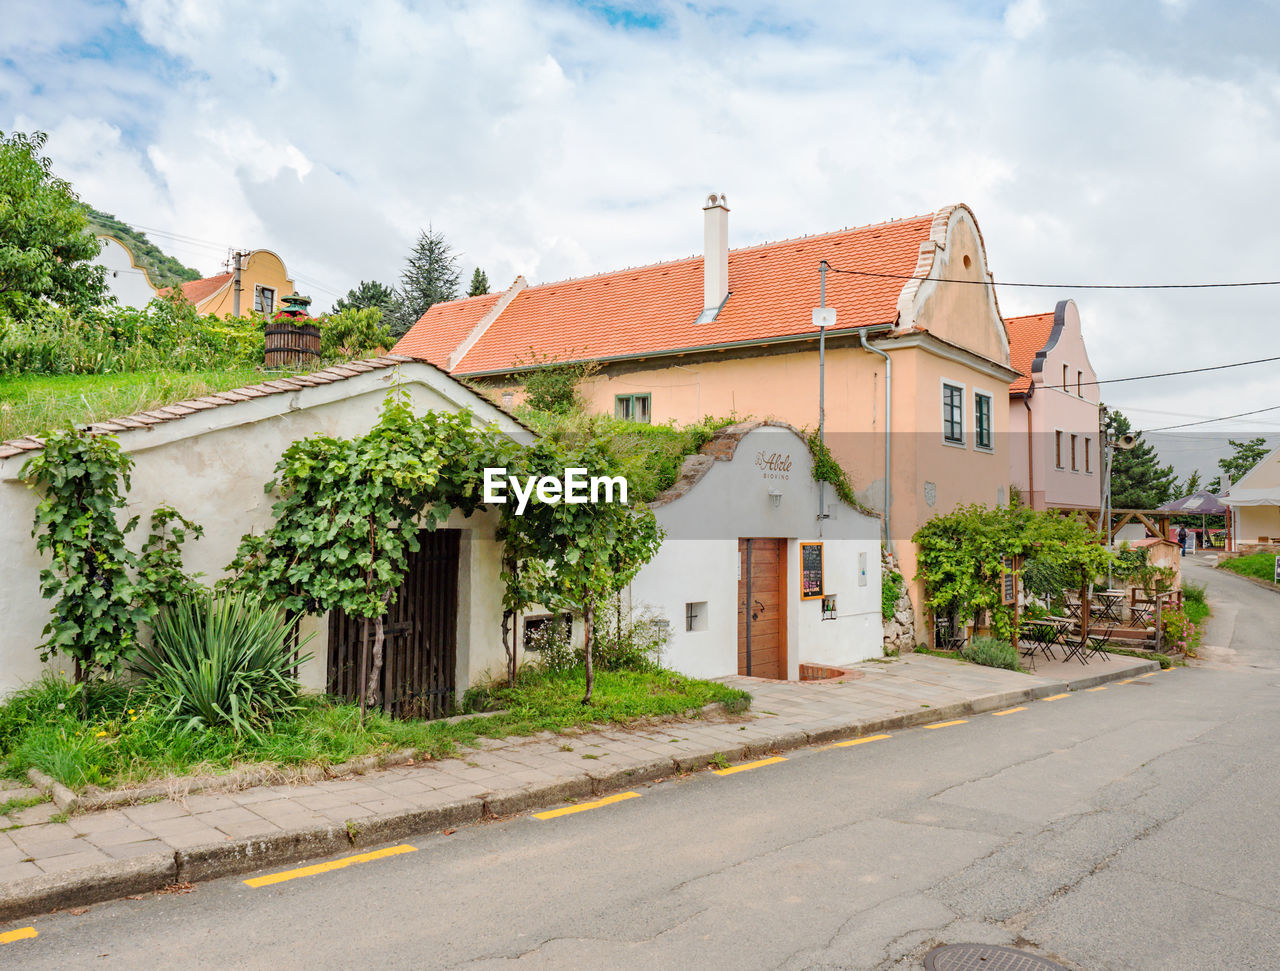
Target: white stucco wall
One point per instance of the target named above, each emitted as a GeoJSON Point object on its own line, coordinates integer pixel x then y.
{"type": "Point", "coordinates": [126, 281]}
{"type": "Point", "coordinates": [212, 466]}
{"type": "Point", "coordinates": [698, 561]}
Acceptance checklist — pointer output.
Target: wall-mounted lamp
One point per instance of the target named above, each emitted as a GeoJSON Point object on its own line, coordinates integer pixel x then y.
{"type": "Point", "coordinates": [775, 497]}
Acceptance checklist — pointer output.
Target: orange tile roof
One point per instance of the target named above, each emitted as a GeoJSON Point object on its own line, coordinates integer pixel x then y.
{"type": "Point", "coordinates": [202, 289]}
{"type": "Point", "coordinates": [197, 290]}
{"type": "Point", "coordinates": [1027, 335]}
{"type": "Point", "coordinates": [443, 327]}
{"type": "Point", "coordinates": [652, 309]}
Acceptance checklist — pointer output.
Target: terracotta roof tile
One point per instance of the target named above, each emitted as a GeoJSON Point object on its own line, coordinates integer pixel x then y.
{"type": "Point", "coordinates": [1027, 335]}
{"type": "Point", "coordinates": [444, 327]}
{"type": "Point", "coordinates": [653, 309]}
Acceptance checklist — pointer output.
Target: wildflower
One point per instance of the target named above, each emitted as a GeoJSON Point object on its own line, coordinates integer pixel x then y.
{"type": "Point", "coordinates": [101, 734]}
{"type": "Point", "coordinates": [131, 711]}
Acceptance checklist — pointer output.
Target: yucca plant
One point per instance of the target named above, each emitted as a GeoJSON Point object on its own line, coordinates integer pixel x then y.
{"type": "Point", "coordinates": [223, 660]}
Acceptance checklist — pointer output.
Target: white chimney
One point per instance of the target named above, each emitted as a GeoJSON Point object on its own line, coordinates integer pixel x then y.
{"type": "Point", "coordinates": [715, 256]}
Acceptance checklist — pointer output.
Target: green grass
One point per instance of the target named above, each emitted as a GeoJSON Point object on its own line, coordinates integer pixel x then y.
{"type": "Point", "coordinates": [126, 739]}
{"type": "Point", "coordinates": [1260, 565]}
{"type": "Point", "coordinates": [34, 404]}
{"type": "Point", "coordinates": [14, 805]}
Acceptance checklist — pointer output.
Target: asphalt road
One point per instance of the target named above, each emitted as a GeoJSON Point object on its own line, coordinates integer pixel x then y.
{"type": "Point", "coordinates": [1131, 827]}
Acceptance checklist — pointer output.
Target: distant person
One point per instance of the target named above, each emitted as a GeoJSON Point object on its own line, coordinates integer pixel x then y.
{"type": "Point", "coordinates": [1182, 539]}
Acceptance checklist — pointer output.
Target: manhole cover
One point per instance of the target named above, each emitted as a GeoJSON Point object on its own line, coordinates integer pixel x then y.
{"type": "Point", "coordinates": [985, 957]}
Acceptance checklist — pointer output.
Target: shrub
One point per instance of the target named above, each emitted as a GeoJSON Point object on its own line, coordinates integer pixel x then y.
{"type": "Point", "coordinates": [222, 659]}
{"type": "Point", "coordinates": [354, 332]}
{"type": "Point", "coordinates": [890, 591]}
{"type": "Point", "coordinates": [629, 641]}
{"type": "Point", "coordinates": [991, 652]}
{"type": "Point", "coordinates": [1193, 593]}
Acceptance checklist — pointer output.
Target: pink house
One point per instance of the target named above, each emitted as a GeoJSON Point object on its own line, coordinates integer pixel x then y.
{"type": "Point", "coordinates": [1054, 437]}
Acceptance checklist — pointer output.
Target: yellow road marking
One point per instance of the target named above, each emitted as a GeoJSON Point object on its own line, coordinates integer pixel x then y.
{"type": "Point", "coordinates": [1065, 694]}
{"type": "Point", "coordinates": [583, 807]}
{"type": "Point", "coordinates": [1149, 674]}
{"type": "Point", "coordinates": [1009, 711]}
{"type": "Point", "coordinates": [747, 766]}
{"type": "Point", "coordinates": [311, 871]}
{"type": "Point", "coordinates": [858, 741]}
{"type": "Point", "coordinates": [958, 721]}
{"type": "Point", "coordinates": [1126, 681]}
{"type": "Point", "coordinates": [21, 934]}
{"type": "Point", "coordinates": [1101, 687]}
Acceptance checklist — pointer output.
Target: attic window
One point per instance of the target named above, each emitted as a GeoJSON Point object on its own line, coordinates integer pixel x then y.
{"type": "Point", "coordinates": [967, 262]}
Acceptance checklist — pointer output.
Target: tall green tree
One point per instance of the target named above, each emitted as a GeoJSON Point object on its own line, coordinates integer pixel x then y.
{"type": "Point", "coordinates": [370, 293]}
{"type": "Point", "coordinates": [479, 283]}
{"type": "Point", "coordinates": [45, 243]}
{"type": "Point", "coordinates": [1245, 455]}
{"type": "Point", "coordinates": [1138, 480]}
{"type": "Point", "coordinates": [1191, 486]}
{"type": "Point", "coordinates": [430, 276]}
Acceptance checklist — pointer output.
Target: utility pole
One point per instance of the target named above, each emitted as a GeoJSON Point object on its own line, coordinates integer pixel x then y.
{"type": "Point", "coordinates": [236, 257]}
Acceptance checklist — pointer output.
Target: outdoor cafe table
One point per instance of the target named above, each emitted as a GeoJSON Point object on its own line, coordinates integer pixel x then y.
{"type": "Point", "coordinates": [1110, 601]}
{"type": "Point", "coordinates": [1045, 632]}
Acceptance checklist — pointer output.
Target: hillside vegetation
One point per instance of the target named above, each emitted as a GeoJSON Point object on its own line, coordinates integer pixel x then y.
{"type": "Point", "coordinates": [164, 270]}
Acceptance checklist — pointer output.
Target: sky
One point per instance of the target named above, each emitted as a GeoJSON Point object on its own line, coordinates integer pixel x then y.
{"type": "Point", "coordinates": [1096, 142]}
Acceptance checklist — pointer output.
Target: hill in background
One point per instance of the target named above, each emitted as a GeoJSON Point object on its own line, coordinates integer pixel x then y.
{"type": "Point", "coordinates": [164, 270]}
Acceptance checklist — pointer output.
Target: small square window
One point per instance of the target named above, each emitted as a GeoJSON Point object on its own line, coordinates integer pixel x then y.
{"type": "Point", "coordinates": [695, 616]}
{"type": "Point", "coordinates": [264, 300]}
{"type": "Point", "coordinates": [632, 407]}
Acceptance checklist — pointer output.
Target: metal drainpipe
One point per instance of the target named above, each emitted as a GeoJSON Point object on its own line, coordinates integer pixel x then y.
{"type": "Point", "coordinates": [1031, 465]}
{"type": "Point", "coordinates": [888, 425]}
{"type": "Point", "coordinates": [822, 388]}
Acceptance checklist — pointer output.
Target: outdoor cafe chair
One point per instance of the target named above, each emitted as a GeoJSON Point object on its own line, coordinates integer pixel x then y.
{"type": "Point", "coordinates": [1098, 641]}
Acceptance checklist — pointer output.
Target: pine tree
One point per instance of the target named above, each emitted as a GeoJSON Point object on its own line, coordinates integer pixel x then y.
{"type": "Point", "coordinates": [430, 276]}
{"type": "Point", "coordinates": [1191, 486]}
{"type": "Point", "coordinates": [370, 293]}
{"type": "Point", "coordinates": [479, 284]}
{"type": "Point", "coordinates": [1138, 480]}
{"type": "Point", "coordinates": [1245, 456]}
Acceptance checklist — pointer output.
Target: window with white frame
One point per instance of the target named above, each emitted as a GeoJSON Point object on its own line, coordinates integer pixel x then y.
{"type": "Point", "coordinates": [953, 414]}
{"type": "Point", "coordinates": [982, 420]}
{"type": "Point", "coordinates": [264, 299]}
{"type": "Point", "coordinates": [1057, 449]}
{"type": "Point", "coordinates": [1088, 456]}
{"type": "Point", "coordinates": [1074, 465]}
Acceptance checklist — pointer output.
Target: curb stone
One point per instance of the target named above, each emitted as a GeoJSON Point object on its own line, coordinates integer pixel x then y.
{"type": "Point", "coordinates": [117, 878]}
{"type": "Point", "coordinates": [63, 798]}
{"type": "Point", "coordinates": [87, 885]}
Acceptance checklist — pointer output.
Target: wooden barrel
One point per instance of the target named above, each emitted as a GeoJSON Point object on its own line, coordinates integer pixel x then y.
{"type": "Point", "coordinates": [289, 345]}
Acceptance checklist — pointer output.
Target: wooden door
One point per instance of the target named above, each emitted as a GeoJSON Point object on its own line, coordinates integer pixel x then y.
{"type": "Point", "coordinates": [420, 636]}
{"type": "Point", "coordinates": [762, 608]}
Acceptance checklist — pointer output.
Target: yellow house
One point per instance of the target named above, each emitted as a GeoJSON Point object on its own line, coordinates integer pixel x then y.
{"type": "Point", "coordinates": [263, 282]}
{"type": "Point", "coordinates": [916, 370]}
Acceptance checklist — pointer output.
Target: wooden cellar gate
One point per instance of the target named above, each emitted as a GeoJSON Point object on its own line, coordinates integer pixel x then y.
{"type": "Point", "coordinates": [420, 630]}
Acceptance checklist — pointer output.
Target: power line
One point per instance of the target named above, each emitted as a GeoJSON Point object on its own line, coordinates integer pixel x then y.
{"type": "Point", "coordinates": [1061, 286]}
{"type": "Point", "coordinates": [1161, 374]}
{"type": "Point", "coordinates": [1207, 421]}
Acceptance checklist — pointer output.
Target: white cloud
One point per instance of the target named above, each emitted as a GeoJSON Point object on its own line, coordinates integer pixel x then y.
{"type": "Point", "coordinates": [1093, 145]}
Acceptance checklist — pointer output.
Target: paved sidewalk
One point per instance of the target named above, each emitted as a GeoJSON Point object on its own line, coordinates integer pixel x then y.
{"type": "Point", "coordinates": [46, 863]}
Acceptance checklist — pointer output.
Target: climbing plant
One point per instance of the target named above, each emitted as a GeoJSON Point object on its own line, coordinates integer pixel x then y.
{"type": "Point", "coordinates": [101, 591]}
{"type": "Point", "coordinates": [82, 480]}
{"type": "Point", "coordinates": [961, 554]}
{"type": "Point", "coordinates": [349, 511]}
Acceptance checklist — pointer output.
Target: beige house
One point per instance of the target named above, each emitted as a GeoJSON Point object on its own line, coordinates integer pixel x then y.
{"type": "Point", "coordinates": [209, 458]}
{"type": "Point", "coordinates": [917, 365]}
{"type": "Point", "coordinates": [1255, 507]}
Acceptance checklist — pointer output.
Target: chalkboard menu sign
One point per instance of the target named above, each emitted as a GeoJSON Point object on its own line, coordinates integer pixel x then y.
{"type": "Point", "coordinates": [1008, 581]}
{"type": "Point", "coordinates": [810, 571]}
